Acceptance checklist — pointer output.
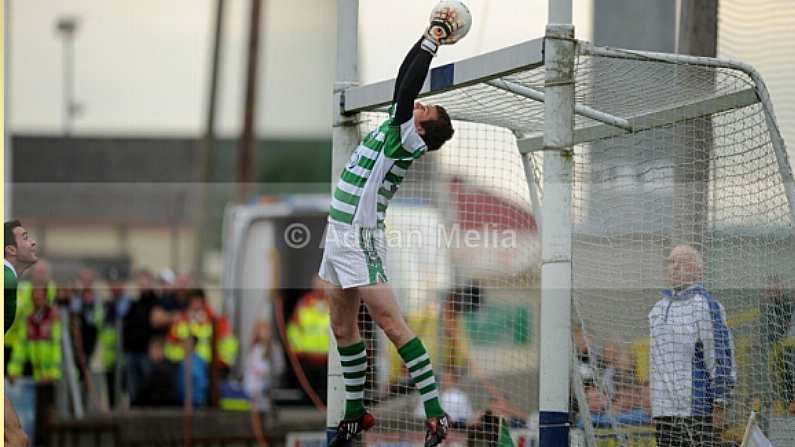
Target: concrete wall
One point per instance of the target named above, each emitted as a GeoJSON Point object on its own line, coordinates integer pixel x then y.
{"type": "Point", "coordinates": [635, 24]}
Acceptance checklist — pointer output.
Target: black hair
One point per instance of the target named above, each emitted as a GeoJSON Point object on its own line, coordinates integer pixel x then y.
{"type": "Point", "coordinates": [10, 238]}
{"type": "Point", "coordinates": [438, 131]}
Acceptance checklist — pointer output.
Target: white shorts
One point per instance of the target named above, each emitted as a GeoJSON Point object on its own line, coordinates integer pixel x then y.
{"type": "Point", "coordinates": [353, 256]}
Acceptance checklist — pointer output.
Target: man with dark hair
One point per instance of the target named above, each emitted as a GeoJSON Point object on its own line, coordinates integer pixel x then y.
{"type": "Point", "coordinates": [437, 131]}
{"type": "Point", "coordinates": [355, 240]}
{"type": "Point", "coordinates": [19, 253]}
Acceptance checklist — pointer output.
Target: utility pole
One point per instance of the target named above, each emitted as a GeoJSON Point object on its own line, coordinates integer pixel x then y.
{"type": "Point", "coordinates": [67, 28]}
{"type": "Point", "coordinates": [207, 150]}
{"type": "Point", "coordinates": [248, 139]}
{"type": "Point", "coordinates": [698, 36]}
{"type": "Point", "coordinates": [698, 28]}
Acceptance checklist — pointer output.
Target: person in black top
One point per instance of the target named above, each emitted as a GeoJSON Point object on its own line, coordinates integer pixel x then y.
{"type": "Point", "coordinates": [137, 333]}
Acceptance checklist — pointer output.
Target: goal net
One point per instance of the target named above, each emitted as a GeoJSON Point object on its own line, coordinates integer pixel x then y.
{"type": "Point", "coordinates": [462, 259]}
{"type": "Point", "coordinates": [700, 168]}
{"type": "Point", "coordinates": [669, 151]}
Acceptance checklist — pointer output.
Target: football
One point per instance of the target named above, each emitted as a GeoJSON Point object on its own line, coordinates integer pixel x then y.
{"type": "Point", "coordinates": [450, 21]}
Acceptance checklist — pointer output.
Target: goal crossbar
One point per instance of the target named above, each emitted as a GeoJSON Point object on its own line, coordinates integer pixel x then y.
{"type": "Point", "coordinates": [468, 71]}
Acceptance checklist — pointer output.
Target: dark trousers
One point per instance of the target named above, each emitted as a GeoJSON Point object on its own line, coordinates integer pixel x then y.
{"type": "Point", "coordinates": [675, 431]}
{"type": "Point", "coordinates": [316, 370]}
{"type": "Point", "coordinates": [45, 402]}
{"type": "Point", "coordinates": [138, 366]}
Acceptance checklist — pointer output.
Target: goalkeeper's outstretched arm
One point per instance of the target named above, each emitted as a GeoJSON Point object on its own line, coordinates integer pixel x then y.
{"type": "Point", "coordinates": [411, 76]}
{"type": "Point", "coordinates": [404, 66]}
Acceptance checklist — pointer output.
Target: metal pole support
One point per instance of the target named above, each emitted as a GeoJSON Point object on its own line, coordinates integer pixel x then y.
{"type": "Point", "coordinates": [556, 271]}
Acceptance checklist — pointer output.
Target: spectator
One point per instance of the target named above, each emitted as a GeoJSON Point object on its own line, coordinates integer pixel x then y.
{"type": "Point", "coordinates": [172, 301]}
{"type": "Point", "coordinates": [88, 313]}
{"type": "Point", "coordinates": [778, 324]}
{"type": "Point", "coordinates": [630, 407]}
{"type": "Point", "coordinates": [86, 278]}
{"type": "Point", "coordinates": [39, 346]}
{"type": "Point", "coordinates": [491, 427]}
{"type": "Point", "coordinates": [632, 404]}
{"type": "Point", "coordinates": [63, 296]}
{"type": "Point", "coordinates": [174, 290]}
{"type": "Point", "coordinates": [596, 398]}
{"type": "Point", "coordinates": [615, 368]}
{"type": "Point", "coordinates": [200, 321]}
{"type": "Point", "coordinates": [165, 281]}
{"type": "Point", "coordinates": [175, 295]}
{"type": "Point", "coordinates": [159, 386]}
{"type": "Point", "coordinates": [19, 253]}
{"type": "Point", "coordinates": [195, 368]}
{"type": "Point", "coordinates": [617, 398]}
{"type": "Point", "coordinates": [264, 364]}
{"type": "Point", "coordinates": [137, 333]}
{"type": "Point", "coordinates": [777, 308]}
{"type": "Point", "coordinates": [308, 336]}
{"type": "Point", "coordinates": [692, 368]}
{"type": "Point", "coordinates": [39, 278]}
{"type": "Point", "coordinates": [586, 363]}
{"type": "Point", "coordinates": [789, 352]}
{"type": "Point", "coordinates": [111, 331]}
{"type": "Point", "coordinates": [485, 432]}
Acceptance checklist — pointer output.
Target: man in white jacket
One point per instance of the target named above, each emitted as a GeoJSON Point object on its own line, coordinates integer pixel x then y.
{"type": "Point", "coordinates": [692, 356]}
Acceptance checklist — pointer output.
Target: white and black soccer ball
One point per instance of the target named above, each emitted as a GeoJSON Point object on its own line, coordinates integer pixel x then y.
{"type": "Point", "coordinates": [450, 20]}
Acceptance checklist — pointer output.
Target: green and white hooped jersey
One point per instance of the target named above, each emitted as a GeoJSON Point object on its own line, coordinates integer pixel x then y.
{"type": "Point", "coordinates": [374, 173]}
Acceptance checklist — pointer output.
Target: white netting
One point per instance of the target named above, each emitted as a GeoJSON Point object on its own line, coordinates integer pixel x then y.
{"type": "Point", "coordinates": [699, 168]}
{"type": "Point", "coordinates": [712, 182]}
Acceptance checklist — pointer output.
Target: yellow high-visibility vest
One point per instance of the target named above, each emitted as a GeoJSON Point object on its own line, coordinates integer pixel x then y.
{"type": "Point", "coordinates": [25, 308]}
{"type": "Point", "coordinates": [42, 348]}
{"type": "Point", "coordinates": [308, 330]}
{"type": "Point", "coordinates": [203, 331]}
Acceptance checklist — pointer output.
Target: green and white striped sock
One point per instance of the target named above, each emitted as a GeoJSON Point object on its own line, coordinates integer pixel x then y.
{"type": "Point", "coordinates": [354, 373]}
{"type": "Point", "coordinates": [418, 362]}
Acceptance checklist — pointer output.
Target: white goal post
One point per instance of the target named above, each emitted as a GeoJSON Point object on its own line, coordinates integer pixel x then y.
{"type": "Point", "coordinates": [598, 161]}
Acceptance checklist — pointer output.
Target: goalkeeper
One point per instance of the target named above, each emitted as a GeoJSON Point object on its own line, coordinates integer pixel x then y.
{"type": "Point", "coordinates": [355, 246]}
